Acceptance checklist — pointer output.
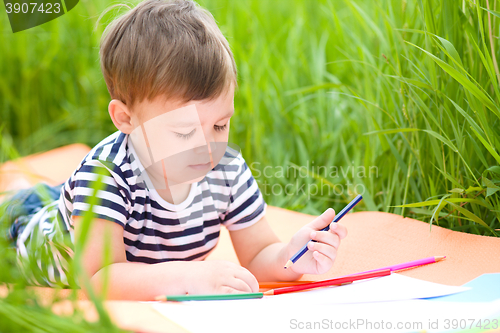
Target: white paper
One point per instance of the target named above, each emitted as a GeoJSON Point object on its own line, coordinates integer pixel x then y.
{"type": "Point", "coordinates": [353, 307]}
{"type": "Point", "coordinates": [396, 316]}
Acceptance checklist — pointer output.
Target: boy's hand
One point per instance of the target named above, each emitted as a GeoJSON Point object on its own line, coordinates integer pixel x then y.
{"type": "Point", "coordinates": [321, 254]}
{"type": "Point", "coordinates": [220, 277]}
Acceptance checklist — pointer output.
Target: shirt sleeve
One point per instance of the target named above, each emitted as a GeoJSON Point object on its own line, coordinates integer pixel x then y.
{"type": "Point", "coordinates": [112, 203]}
{"type": "Point", "coordinates": [247, 206]}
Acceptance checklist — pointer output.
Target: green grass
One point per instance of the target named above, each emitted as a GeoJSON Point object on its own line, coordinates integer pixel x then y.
{"type": "Point", "coordinates": [407, 91]}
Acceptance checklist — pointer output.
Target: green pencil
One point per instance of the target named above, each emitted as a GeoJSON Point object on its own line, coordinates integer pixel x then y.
{"type": "Point", "coordinates": [182, 298]}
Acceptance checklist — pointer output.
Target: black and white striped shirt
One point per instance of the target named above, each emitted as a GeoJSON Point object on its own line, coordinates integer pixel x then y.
{"type": "Point", "coordinates": [155, 230]}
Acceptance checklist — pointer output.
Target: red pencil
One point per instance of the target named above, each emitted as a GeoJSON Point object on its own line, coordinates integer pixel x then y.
{"type": "Point", "coordinates": [331, 282]}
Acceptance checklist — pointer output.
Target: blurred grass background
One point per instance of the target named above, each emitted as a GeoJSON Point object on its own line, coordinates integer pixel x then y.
{"type": "Point", "coordinates": [405, 93]}
{"type": "Point", "coordinates": [407, 90]}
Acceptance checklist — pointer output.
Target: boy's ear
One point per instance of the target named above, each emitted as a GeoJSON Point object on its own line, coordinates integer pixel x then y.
{"type": "Point", "coordinates": [120, 115]}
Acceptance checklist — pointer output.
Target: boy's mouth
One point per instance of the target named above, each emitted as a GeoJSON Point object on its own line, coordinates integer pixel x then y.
{"type": "Point", "coordinates": [201, 166]}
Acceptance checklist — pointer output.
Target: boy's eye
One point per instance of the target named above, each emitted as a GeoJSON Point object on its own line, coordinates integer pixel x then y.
{"type": "Point", "coordinates": [220, 128]}
{"type": "Point", "coordinates": [186, 136]}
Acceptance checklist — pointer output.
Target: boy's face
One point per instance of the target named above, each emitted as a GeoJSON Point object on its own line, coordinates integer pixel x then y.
{"type": "Point", "coordinates": [181, 142]}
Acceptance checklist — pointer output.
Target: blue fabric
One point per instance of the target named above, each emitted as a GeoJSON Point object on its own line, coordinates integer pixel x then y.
{"type": "Point", "coordinates": [485, 288]}
{"type": "Point", "coordinates": [24, 204]}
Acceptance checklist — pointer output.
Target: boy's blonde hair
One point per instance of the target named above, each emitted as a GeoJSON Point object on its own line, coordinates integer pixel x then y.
{"type": "Point", "coordinates": [170, 48]}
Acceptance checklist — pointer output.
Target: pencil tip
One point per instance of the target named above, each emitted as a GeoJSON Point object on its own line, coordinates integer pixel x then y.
{"type": "Point", "coordinates": [160, 298]}
{"type": "Point", "coordinates": [269, 292]}
{"type": "Point", "coordinates": [288, 264]}
{"type": "Point", "coordinates": [437, 258]}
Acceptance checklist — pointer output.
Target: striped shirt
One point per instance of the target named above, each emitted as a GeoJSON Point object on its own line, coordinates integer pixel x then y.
{"type": "Point", "coordinates": [154, 230]}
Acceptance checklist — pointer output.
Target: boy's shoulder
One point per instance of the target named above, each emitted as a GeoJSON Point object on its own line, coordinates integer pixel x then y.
{"type": "Point", "coordinates": [112, 154]}
{"type": "Point", "coordinates": [110, 158]}
{"type": "Point", "coordinates": [111, 151]}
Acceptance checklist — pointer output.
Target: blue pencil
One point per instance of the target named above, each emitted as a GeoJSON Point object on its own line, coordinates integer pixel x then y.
{"type": "Point", "coordinates": [340, 215]}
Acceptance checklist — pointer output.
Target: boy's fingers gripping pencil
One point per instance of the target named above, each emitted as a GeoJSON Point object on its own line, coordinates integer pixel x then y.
{"type": "Point", "coordinates": [340, 215]}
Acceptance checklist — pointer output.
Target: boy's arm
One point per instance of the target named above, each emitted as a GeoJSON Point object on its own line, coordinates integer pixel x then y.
{"type": "Point", "coordinates": [262, 253]}
{"type": "Point", "coordinates": [139, 281]}
{"type": "Point", "coordinates": [135, 281]}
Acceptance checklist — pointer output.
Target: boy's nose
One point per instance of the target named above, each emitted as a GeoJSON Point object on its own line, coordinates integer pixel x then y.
{"type": "Point", "coordinates": [205, 149]}
{"type": "Point", "coordinates": [209, 143]}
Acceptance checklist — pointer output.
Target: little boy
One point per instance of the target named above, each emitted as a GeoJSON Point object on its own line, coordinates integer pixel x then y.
{"type": "Point", "coordinates": [170, 179]}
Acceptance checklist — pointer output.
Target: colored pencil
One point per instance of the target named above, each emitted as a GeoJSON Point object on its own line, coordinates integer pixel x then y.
{"type": "Point", "coordinates": [279, 284]}
{"type": "Point", "coordinates": [410, 264]}
{"type": "Point", "coordinates": [216, 297]}
{"type": "Point", "coordinates": [328, 283]}
{"type": "Point", "coordinates": [340, 215]}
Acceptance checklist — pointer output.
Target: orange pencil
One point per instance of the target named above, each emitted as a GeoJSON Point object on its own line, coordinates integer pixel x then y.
{"type": "Point", "coordinates": [279, 284]}
{"type": "Point", "coordinates": [327, 283]}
